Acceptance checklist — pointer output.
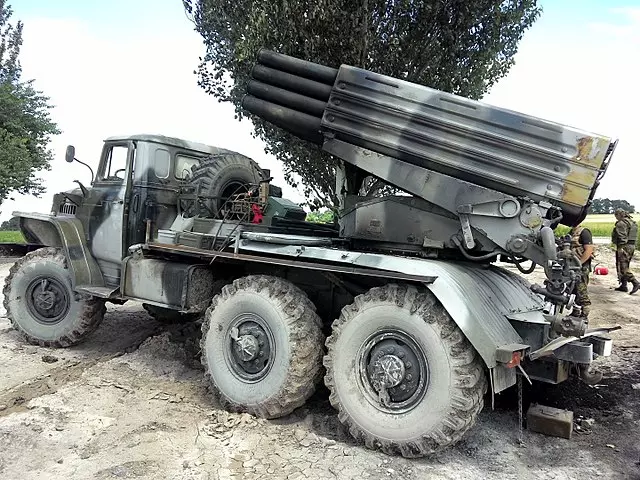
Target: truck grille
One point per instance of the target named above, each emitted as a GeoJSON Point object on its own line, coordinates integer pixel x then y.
{"type": "Point", "coordinates": [67, 209]}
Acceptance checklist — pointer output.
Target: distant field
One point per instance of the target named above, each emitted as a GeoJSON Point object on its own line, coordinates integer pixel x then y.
{"type": "Point", "coordinates": [598, 229]}
{"type": "Point", "coordinates": [11, 237]}
{"type": "Point", "coordinates": [607, 218]}
{"type": "Point", "coordinates": [600, 225]}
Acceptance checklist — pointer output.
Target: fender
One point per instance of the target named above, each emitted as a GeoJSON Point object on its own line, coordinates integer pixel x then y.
{"type": "Point", "coordinates": [66, 233]}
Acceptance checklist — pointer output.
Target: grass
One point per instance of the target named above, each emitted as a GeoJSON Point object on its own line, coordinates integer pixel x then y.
{"type": "Point", "coordinates": [11, 237]}
{"type": "Point", "coordinates": [600, 226]}
{"type": "Point", "coordinates": [598, 229]}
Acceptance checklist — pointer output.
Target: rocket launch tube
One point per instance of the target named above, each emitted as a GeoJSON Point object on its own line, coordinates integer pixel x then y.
{"type": "Point", "coordinates": [295, 66]}
{"type": "Point", "coordinates": [285, 98]}
{"type": "Point", "coordinates": [293, 83]}
{"type": "Point", "coordinates": [499, 149]}
{"type": "Point", "coordinates": [305, 126]}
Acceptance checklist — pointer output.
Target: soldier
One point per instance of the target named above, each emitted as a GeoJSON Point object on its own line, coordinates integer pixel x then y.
{"type": "Point", "coordinates": [624, 236]}
{"type": "Point", "coordinates": [583, 248]}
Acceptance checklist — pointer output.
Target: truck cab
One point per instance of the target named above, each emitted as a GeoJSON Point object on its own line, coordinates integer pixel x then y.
{"type": "Point", "coordinates": [138, 178]}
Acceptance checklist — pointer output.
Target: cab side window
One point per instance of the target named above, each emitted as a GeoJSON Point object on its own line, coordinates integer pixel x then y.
{"type": "Point", "coordinates": [115, 165]}
{"type": "Point", "coordinates": [184, 164]}
{"type": "Point", "coordinates": [162, 163]}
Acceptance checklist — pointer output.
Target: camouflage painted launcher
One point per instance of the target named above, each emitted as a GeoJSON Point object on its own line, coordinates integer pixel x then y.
{"type": "Point", "coordinates": [501, 150]}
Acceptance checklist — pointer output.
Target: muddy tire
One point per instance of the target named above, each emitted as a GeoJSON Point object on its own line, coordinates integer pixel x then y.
{"type": "Point", "coordinates": [215, 179]}
{"type": "Point", "coordinates": [167, 316]}
{"type": "Point", "coordinates": [275, 362]}
{"type": "Point", "coordinates": [400, 341]}
{"type": "Point", "coordinates": [41, 305]}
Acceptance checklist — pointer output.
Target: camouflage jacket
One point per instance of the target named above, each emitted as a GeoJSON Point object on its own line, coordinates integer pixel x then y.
{"type": "Point", "coordinates": [625, 231]}
{"type": "Point", "coordinates": [577, 246]}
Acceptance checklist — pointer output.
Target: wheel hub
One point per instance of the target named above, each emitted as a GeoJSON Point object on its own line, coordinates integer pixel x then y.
{"type": "Point", "coordinates": [388, 371]}
{"type": "Point", "coordinates": [250, 352]}
{"type": "Point", "coordinates": [394, 371]}
{"type": "Point", "coordinates": [48, 300]}
{"type": "Point", "coordinates": [247, 347]}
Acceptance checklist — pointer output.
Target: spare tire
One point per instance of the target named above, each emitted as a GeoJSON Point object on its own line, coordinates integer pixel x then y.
{"type": "Point", "coordinates": [217, 178]}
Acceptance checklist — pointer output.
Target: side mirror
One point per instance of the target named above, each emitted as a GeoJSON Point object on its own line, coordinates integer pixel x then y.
{"type": "Point", "coordinates": [71, 154]}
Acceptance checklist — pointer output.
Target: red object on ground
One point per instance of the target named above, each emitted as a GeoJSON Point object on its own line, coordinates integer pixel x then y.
{"type": "Point", "coordinates": [601, 270]}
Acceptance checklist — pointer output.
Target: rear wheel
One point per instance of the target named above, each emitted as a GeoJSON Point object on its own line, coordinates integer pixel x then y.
{"type": "Point", "coordinates": [262, 346]}
{"type": "Point", "coordinates": [401, 374]}
{"type": "Point", "coordinates": [41, 304]}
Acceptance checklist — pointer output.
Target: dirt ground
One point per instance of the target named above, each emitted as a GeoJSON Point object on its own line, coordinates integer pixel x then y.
{"type": "Point", "coordinates": [131, 402]}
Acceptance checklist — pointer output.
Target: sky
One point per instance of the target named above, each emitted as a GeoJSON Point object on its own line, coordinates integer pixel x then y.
{"type": "Point", "coordinates": [124, 67]}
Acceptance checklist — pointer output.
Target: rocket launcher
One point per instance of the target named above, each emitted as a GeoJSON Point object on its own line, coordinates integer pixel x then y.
{"type": "Point", "coordinates": [506, 176]}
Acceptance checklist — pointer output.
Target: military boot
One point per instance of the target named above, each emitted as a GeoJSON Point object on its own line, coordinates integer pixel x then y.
{"type": "Point", "coordinates": [623, 287]}
{"type": "Point", "coordinates": [636, 287]}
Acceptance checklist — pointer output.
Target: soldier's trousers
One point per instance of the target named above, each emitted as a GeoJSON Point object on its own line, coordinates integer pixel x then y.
{"type": "Point", "coordinates": [624, 254]}
{"type": "Point", "coordinates": [581, 293]}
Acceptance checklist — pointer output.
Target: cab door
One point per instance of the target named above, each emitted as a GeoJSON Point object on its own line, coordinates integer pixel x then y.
{"type": "Point", "coordinates": [108, 208]}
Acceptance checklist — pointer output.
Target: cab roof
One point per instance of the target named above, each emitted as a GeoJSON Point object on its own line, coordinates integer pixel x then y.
{"type": "Point", "coordinates": [171, 141]}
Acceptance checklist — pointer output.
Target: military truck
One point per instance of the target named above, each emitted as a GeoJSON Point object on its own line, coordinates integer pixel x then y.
{"type": "Point", "coordinates": [400, 304]}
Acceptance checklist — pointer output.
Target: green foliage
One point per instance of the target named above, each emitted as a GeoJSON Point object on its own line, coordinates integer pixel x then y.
{"type": "Point", "coordinates": [320, 217]}
{"type": "Point", "coordinates": [12, 224]}
{"type": "Point", "coordinates": [11, 237]}
{"type": "Point", "coordinates": [25, 124]}
{"type": "Point", "coordinates": [459, 46]}
{"type": "Point", "coordinates": [10, 43]}
{"type": "Point", "coordinates": [604, 205]}
{"type": "Point", "coordinates": [600, 229]}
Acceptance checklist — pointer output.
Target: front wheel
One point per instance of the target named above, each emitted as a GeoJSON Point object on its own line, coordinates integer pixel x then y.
{"type": "Point", "coordinates": [41, 304]}
{"type": "Point", "coordinates": [402, 376]}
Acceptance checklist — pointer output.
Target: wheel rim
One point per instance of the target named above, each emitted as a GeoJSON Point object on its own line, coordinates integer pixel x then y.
{"type": "Point", "coordinates": [250, 347]}
{"type": "Point", "coordinates": [229, 197]}
{"type": "Point", "coordinates": [393, 371]}
{"type": "Point", "coordinates": [48, 300]}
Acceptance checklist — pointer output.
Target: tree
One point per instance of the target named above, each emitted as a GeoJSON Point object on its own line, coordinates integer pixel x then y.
{"type": "Point", "coordinates": [10, 225]}
{"type": "Point", "coordinates": [459, 46]}
{"type": "Point", "coordinates": [25, 124]}
{"type": "Point", "coordinates": [604, 205]}
{"type": "Point", "coordinates": [320, 217]}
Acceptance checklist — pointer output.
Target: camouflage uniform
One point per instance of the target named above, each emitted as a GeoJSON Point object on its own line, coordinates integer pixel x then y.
{"type": "Point", "coordinates": [624, 237]}
{"type": "Point", "coordinates": [580, 289]}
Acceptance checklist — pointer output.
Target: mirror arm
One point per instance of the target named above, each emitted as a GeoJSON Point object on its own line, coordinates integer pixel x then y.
{"type": "Point", "coordinates": [90, 169]}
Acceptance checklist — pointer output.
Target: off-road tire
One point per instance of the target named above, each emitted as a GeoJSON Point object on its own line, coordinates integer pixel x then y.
{"type": "Point", "coordinates": [84, 314]}
{"type": "Point", "coordinates": [297, 366]}
{"type": "Point", "coordinates": [453, 398]}
{"type": "Point", "coordinates": [168, 316]}
{"type": "Point", "coordinates": [218, 176]}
